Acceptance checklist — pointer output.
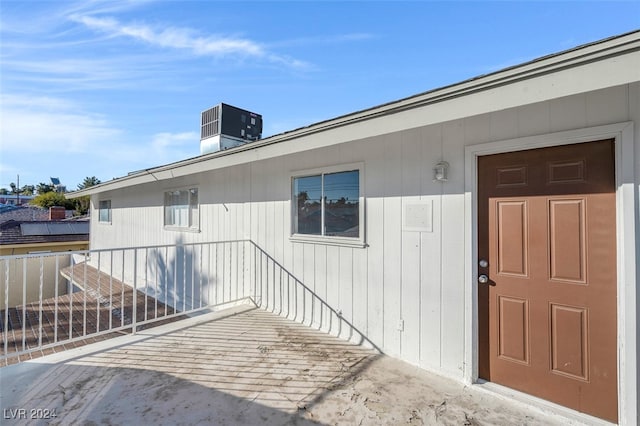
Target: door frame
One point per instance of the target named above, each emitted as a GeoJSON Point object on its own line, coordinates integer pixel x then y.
{"type": "Point", "coordinates": [627, 309]}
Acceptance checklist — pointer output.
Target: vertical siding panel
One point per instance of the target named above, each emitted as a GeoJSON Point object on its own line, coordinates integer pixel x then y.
{"type": "Point", "coordinates": [308, 277]}
{"type": "Point", "coordinates": [345, 293]}
{"type": "Point", "coordinates": [264, 231]}
{"type": "Point", "coordinates": [252, 212]}
{"type": "Point", "coordinates": [269, 245]}
{"type": "Point", "coordinates": [392, 252]}
{"type": "Point", "coordinates": [374, 217]}
{"type": "Point", "coordinates": [299, 290]}
{"type": "Point", "coordinates": [320, 284]}
{"type": "Point", "coordinates": [247, 284]}
{"type": "Point", "coordinates": [287, 249]}
{"type": "Point", "coordinates": [261, 195]}
{"type": "Point", "coordinates": [234, 188]}
{"type": "Point", "coordinates": [269, 242]}
{"type": "Point", "coordinates": [430, 256]}
{"type": "Point", "coordinates": [278, 248]}
{"type": "Point", "coordinates": [431, 280]}
{"type": "Point", "coordinates": [278, 181]}
{"type": "Point", "coordinates": [333, 287]}
{"type": "Point", "coordinates": [375, 268]}
{"type": "Point", "coordinates": [410, 333]}
{"type": "Point", "coordinates": [242, 202]}
{"type": "Point", "coordinates": [360, 291]}
{"type": "Point", "coordinates": [411, 182]}
{"type": "Point", "coordinates": [453, 251]}
{"type": "Point", "coordinates": [350, 286]}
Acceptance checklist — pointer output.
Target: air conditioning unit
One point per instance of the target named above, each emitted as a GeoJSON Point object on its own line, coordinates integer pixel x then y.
{"type": "Point", "coordinates": [225, 126]}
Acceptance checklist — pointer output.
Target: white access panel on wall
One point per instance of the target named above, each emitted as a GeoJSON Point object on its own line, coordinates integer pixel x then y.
{"type": "Point", "coordinates": [417, 216]}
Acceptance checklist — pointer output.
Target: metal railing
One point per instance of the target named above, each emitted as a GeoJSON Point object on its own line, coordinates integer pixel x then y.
{"type": "Point", "coordinates": [59, 299]}
{"type": "Point", "coordinates": [54, 299]}
{"type": "Point", "coordinates": [279, 291]}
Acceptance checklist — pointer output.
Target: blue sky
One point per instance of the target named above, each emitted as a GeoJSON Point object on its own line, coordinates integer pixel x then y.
{"type": "Point", "coordinates": [104, 87]}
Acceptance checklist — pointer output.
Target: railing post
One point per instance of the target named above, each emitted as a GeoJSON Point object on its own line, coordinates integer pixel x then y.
{"type": "Point", "coordinates": [6, 307]}
{"type": "Point", "coordinates": [146, 281]}
{"type": "Point", "coordinates": [184, 277]}
{"type": "Point", "coordinates": [135, 290]}
{"type": "Point", "coordinates": [55, 312]}
{"type": "Point", "coordinates": [111, 291]}
{"type": "Point", "coordinates": [40, 301]}
{"type": "Point", "coordinates": [84, 295]}
{"type": "Point", "coordinates": [71, 264]}
{"type": "Point", "coordinates": [99, 296]}
{"type": "Point", "coordinates": [24, 303]}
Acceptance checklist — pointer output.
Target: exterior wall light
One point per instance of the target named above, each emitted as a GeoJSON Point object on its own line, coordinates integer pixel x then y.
{"type": "Point", "coordinates": [440, 171]}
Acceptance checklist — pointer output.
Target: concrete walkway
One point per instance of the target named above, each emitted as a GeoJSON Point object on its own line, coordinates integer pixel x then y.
{"type": "Point", "coordinates": [241, 366]}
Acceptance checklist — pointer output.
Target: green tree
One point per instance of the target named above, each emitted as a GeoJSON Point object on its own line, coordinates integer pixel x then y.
{"type": "Point", "coordinates": [4, 191]}
{"type": "Point", "coordinates": [28, 189]}
{"type": "Point", "coordinates": [51, 199]}
{"type": "Point", "coordinates": [89, 182]}
{"type": "Point", "coordinates": [14, 189]}
{"type": "Point", "coordinates": [43, 188]}
{"type": "Point", "coordinates": [82, 203]}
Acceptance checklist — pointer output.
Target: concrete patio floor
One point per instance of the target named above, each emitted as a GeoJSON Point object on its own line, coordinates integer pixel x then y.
{"type": "Point", "coordinates": [242, 366]}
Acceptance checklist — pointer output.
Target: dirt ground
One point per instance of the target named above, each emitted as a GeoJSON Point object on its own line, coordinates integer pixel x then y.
{"type": "Point", "coordinates": [242, 366]}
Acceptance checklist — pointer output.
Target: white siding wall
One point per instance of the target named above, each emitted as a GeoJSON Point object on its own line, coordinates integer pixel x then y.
{"type": "Point", "coordinates": [417, 277]}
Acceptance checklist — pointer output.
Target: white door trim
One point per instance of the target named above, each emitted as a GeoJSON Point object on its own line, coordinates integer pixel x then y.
{"type": "Point", "coordinates": [626, 203]}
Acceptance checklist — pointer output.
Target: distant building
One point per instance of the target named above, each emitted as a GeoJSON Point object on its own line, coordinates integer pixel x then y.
{"type": "Point", "coordinates": [15, 200]}
{"type": "Point", "coordinates": [31, 213]}
{"type": "Point", "coordinates": [20, 237]}
{"type": "Point", "coordinates": [25, 237]}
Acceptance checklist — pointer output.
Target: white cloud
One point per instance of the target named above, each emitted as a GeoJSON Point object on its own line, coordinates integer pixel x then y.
{"type": "Point", "coordinates": [186, 39]}
{"type": "Point", "coordinates": [71, 74]}
{"type": "Point", "coordinates": [326, 39]}
{"type": "Point", "coordinates": [44, 135]}
{"type": "Point", "coordinates": [174, 140]}
{"type": "Point", "coordinates": [45, 124]}
{"type": "Point", "coordinates": [169, 147]}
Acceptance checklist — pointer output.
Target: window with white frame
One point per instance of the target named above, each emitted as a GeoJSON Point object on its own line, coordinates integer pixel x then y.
{"type": "Point", "coordinates": [181, 208]}
{"type": "Point", "coordinates": [328, 204]}
{"type": "Point", "coordinates": [104, 211]}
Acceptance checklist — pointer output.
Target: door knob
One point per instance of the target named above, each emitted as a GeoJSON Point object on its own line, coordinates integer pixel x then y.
{"type": "Point", "coordinates": [483, 279]}
{"type": "Point", "coordinates": [483, 263]}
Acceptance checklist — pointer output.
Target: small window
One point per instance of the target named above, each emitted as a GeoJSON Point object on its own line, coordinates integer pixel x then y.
{"type": "Point", "coordinates": [104, 211]}
{"type": "Point", "coordinates": [181, 208]}
{"type": "Point", "coordinates": [327, 204]}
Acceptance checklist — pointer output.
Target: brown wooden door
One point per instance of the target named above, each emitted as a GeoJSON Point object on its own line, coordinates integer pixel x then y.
{"type": "Point", "coordinates": [547, 227]}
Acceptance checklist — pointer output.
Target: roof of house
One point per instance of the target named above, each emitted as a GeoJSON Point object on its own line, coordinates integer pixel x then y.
{"type": "Point", "coordinates": [27, 213]}
{"type": "Point", "coordinates": [23, 213]}
{"type": "Point", "coordinates": [606, 63]}
{"type": "Point", "coordinates": [32, 232]}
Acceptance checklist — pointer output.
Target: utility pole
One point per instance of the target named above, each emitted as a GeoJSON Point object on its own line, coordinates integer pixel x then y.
{"type": "Point", "coordinates": [18, 191]}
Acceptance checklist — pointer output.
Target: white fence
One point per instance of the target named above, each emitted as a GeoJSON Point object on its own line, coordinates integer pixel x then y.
{"type": "Point", "coordinates": [90, 294]}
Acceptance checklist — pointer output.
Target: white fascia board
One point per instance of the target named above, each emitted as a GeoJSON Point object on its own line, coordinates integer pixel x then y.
{"type": "Point", "coordinates": [596, 66]}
